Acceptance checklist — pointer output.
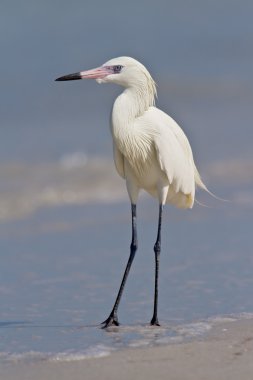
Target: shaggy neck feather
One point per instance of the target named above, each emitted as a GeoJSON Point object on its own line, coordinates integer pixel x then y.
{"type": "Point", "coordinates": [132, 141]}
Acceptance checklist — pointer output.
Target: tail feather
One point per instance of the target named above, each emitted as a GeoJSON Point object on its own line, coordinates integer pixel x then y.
{"type": "Point", "coordinates": [201, 184]}
{"type": "Point", "coordinates": [201, 204]}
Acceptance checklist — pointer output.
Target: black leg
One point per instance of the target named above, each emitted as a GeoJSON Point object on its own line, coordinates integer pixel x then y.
{"type": "Point", "coordinates": [112, 320]}
{"type": "Point", "coordinates": [157, 250]}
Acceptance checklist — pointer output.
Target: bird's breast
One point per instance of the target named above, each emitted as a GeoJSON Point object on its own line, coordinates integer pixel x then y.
{"type": "Point", "coordinates": [132, 133]}
{"type": "Point", "coordinates": [137, 148]}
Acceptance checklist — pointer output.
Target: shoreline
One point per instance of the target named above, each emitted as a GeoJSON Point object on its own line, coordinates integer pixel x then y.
{"type": "Point", "coordinates": [223, 353]}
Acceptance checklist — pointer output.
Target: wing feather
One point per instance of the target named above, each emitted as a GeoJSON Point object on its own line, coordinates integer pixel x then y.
{"type": "Point", "coordinates": [119, 161]}
{"type": "Point", "coordinates": [174, 153]}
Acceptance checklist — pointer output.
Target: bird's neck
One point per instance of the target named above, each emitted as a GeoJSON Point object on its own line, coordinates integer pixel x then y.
{"type": "Point", "coordinates": [130, 137]}
{"type": "Point", "coordinates": [128, 106]}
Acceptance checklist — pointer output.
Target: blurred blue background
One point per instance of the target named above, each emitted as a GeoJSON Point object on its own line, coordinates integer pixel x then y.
{"type": "Point", "coordinates": [64, 213]}
{"type": "Point", "coordinates": [197, 51]}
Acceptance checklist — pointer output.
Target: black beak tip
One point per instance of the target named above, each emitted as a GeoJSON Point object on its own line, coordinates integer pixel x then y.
{"type": "Point", "coordinates": [74, 76]}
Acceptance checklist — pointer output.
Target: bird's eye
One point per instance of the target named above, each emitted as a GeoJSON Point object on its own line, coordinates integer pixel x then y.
{"type": "Point", "coordinates": [117, 69]}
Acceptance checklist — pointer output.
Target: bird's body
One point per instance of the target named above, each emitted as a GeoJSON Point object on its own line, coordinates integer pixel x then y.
{"type": "Point", "coordinates": [151, 151]}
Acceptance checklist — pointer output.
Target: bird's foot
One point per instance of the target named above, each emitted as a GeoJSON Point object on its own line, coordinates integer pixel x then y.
{"type": "Point", "coordinates": [112, 320]}
{"type": "Point", "coordinates": [154, 322]}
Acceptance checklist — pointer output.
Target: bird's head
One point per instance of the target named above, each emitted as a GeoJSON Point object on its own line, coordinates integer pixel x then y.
{"type": "Point", "coordinates": [125, 71]}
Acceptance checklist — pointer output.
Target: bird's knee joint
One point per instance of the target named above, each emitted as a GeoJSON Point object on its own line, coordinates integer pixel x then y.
{"type": "Point", "coordinates": [133, 247]}
{"type": "Point", "coordinates": [157, 248]}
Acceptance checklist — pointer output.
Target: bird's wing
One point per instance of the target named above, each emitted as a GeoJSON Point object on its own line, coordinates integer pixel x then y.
{"type": "Point", "coordinates": [179, 133]}
{"type": "Point", "coordinates": [118, 160]}
{"type": "Point", "coordinates": [173, 151]}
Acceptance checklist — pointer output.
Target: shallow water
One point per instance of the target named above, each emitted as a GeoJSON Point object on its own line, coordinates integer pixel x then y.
{"type": "Point", "coordinates": [61, 269]}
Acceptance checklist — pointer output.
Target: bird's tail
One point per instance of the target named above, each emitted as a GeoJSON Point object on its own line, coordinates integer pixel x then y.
{"type": "Point", "coordinates": [199, 181]}
{"type": "Point", "coordinates": [201, 184]}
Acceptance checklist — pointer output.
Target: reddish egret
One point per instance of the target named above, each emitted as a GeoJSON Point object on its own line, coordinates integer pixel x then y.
{"type": "Point", "coordinates": [151, 152]}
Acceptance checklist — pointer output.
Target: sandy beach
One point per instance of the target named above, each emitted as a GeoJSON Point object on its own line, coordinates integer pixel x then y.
{"type": "Point", "coordinates": [225, 353]}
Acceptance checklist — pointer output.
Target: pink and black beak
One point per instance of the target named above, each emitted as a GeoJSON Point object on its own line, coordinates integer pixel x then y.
{"type": "Point", "coordinates": [98, 73]}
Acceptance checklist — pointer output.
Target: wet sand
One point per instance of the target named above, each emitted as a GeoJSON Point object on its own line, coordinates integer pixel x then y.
{"type": "Point", "coordinates": [225, 353]}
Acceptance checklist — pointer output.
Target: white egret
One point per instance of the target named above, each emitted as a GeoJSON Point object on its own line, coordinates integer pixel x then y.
{"type": "Point", "coordinates": [151, 152]}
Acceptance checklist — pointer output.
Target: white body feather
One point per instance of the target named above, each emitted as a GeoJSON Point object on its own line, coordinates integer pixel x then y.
{"type": "Point", "coordinates": [150, 149]}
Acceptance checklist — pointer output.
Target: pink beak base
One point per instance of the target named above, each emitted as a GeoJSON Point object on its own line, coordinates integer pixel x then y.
{"type": "Point", "coordinates": [98, 73]}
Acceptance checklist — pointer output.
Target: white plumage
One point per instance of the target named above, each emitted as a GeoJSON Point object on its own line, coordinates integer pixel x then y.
{"type": "Point", "coordinates": [151, 151]}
